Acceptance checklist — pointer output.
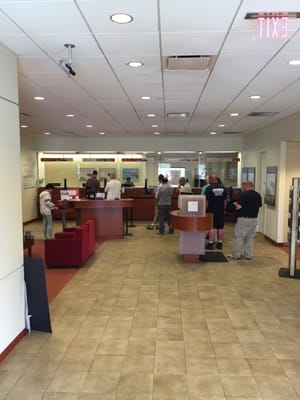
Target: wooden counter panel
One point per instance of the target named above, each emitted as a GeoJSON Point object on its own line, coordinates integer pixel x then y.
{"type": "Point", "coordinates": [191, 223]}
{"type": "Point", "coordinates": [108, 216]}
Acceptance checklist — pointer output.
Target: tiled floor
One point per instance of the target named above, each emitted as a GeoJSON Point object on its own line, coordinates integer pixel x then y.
{"type": "Point", "coordinates": [137, 323]}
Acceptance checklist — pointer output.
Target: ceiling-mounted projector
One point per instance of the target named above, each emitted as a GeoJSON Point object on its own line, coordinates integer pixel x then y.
{"type": "Point", "coordinates": [66, 64]}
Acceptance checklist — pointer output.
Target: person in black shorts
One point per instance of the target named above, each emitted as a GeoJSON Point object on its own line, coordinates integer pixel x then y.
{"type": "Point", "coordinates": [216, 204]}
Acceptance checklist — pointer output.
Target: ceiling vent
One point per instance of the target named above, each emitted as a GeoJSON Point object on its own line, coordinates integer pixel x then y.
{"type": "Point", "coordinates": [231, 133]}
{"type": "Point", "coordinates": [191, 62]}
{"type": "Point", "coordinates": [262, 114]}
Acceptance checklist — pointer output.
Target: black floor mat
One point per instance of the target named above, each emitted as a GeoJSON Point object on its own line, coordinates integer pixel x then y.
{"type": "Point", "coordinates": [213, 256]}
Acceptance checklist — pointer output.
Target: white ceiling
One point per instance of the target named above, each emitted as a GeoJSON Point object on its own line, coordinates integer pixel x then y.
{"type": "Point", "coordinates": [106, 92]}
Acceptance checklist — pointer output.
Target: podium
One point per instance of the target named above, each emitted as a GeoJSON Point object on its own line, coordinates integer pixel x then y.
{"type": "Point", "coordinates": [193, 230]}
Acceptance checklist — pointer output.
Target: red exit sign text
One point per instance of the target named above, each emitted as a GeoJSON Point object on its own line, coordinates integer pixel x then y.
{"type": "Point", "coordinates": [273, 27]}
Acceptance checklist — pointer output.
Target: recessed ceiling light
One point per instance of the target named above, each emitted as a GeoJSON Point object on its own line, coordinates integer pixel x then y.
{"type": "Point", "coordinates": [135, 64]}
{"type": "Point", "coordinates": [151, 115]}
{"type": "Point", "coordinates": [221, 125]}
{"type": "Point", "coordinates": [121, 18]}
{"type": "Point", "coordinates": [89, 126]}
{"type": "Point", "coordinates": [24, 126]}
{"type": "Point", "coordinates": [70, 115]}
{"type": "Point", "coordinates": [47, 133]}
{"type": "Point", "coordinates": [178, 115]}
{"type": "Point", "coordinates": [212, 133]}
{"type": "Point", "coordinates": [156, 133]}
{"type": "Point", "coordinates": [234, 114]}
{"type": "Point", "coordinates": [145, 97]}
{"type": "Point", "coordinates": [294, 62]}
{"type": "Point", "coordinates": [101, 133]}
{"type": "Point", "coordinates": [154, 126]}
{"type": "Point", "coordinates": [39, 98]}
{"type": "Point", "coordinates": [255, 97]}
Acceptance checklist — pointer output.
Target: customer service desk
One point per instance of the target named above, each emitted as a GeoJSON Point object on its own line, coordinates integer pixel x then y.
{"type": "Point", "coordinates": [193, 230]}
{"type": "Point", "coordinates": [111, 216]}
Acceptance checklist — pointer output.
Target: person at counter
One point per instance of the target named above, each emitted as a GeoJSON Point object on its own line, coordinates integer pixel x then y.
{"type": "Point", "coordinates": [183, 188]}
{"type": "Point", "coordinates": [128, 182]}
{"type": "Point", "coordinates": [46, 207]}
{"type": "Point", "coordinates": [163, 201]}
{"type": "Point", "coordinates": [216, 204]}
{"type": "Point", "coordinates": [113, 188]}
{"type": "Point", "coordinates": [92, 186]}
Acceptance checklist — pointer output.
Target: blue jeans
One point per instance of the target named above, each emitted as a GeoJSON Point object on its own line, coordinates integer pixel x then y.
{"type": "Point", "coordinates": [164, 211]}
{"type": "Point", "coordinates": [47, 226]}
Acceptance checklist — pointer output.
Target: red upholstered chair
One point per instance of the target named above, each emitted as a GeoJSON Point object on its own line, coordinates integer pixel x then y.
{"type": "Point", "coordinates": [92, 235]}
{"type": "Point", "coordinates": [68, 248]}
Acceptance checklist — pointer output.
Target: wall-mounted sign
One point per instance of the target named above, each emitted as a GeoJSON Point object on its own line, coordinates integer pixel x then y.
{"type": "Point", "coordinates": [133, 159]}
{"type": "Point", "coordinates": [49, 159]}
{"type": "Point", "coordinates": [98, 159]}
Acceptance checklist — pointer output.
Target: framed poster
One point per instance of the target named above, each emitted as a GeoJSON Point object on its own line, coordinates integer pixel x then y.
{"type": "Point", "coordinates": [132, 173]}
{"type": "Point", "coordinates": [105, 172]}
{"type": "Point", "coordinates": [271, 179]}
{"type": "Point", "coordinates": [248, 174]}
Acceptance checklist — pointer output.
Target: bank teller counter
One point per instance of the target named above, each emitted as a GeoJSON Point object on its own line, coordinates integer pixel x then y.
{"type": "Point", "coordinates": [144, 201]}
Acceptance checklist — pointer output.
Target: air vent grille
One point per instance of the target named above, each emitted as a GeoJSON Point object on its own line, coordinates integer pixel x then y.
{"type": "Point", "coordinates": [262, 114]}
{"type": "Point", "coordinates": [231, 133]}
{"type": "Point", "coordinates": [189, 62]}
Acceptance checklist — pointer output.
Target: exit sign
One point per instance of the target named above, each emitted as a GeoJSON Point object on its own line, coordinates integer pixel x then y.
{"type": "Point", "coordinates": [273, 27]}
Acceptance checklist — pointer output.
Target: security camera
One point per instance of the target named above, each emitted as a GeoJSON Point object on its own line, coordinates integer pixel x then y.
{"type": "Point", "coordinates": [70, 69]}
{"type": "Point", "coordinates": [66, 66]}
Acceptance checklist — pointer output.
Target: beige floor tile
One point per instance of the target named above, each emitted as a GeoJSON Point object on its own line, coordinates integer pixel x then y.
{"type": "Point", "coordinates": [239, 386]}
{"type": "Point", "coordinates": [8, 379]}
{"type": "Point", "coordinates": [198, 348]}
{"type": "Point", "coordinates": [170, 334]}
{"type": "Point", "coordinates": [257, 351]}
{"type": "Point", "coordinates": [206, 331]}
{"type": "Point", "coordinates": [112, 346]}
{"type": "Point", "coordinates": [14, 395]}
{"type": "Point", "coordinates": [76, 361]}
{"type": "Point", "coordinates": [291, 367]}
{"type": "Point", "coordinates": [101, 383]}
{"type": "Point", "coordinates": [201, 366]}
{"type": "Point", "coordinates": [286, 350]}
{"type": "Point", "coordinates": [266, 368]}
{"type": "Point", "coordinates": [205, 386]}
{"type": "Point", "coordinates": [169, 386]}
{"type": "Point", "coordinates": [66, 381]}
{"type": "Point", "coordinates": [135, 382]}
{"type": "Point", "coordinates": [276, 388]}
{"type": "Point", "coordinates": [107, 363]}
{"type": "Point", "coordinates": [233, 367]}
{"type": "Point", "coordinates": [138, 363]}
{"type": "Point", "coordinates": [228, 350]}
{"type": "Point", "coordinates": [60, 396]}
{"type": "Point", "coordinates": [223, 336]}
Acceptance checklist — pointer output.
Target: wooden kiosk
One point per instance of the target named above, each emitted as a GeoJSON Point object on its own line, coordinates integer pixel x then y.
{"type": "Point", "coordinates": [110, 216]}
{"type": "Point", "coordinates": [193, 223]}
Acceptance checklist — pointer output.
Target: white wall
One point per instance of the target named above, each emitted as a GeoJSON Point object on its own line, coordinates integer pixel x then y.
{"type": "Point", "coordinates": [11, 246]}
{"type": "Point", "coordinates": [280, 144]}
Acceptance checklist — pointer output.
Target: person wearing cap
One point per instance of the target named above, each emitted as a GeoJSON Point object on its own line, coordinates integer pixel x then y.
{"type": "Point", "coordinates": [248, 206]}
{"type": "Point", "coordinates": [46, 207]}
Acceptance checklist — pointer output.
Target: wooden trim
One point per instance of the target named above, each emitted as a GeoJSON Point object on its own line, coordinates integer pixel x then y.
{"type": "Point", "coordinates": [13, 344]}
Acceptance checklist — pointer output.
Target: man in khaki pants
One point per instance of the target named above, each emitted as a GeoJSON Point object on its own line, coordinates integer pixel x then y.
{"type": "Point", "coordinates": [248, 206]}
